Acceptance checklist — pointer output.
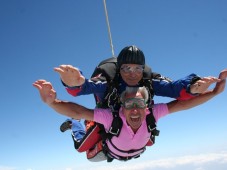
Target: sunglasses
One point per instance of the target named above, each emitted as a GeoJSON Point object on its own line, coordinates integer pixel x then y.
{"type": "Point", "coordinates": [134, 103]}
{"type": "Point", "coordinates": [136, 69]}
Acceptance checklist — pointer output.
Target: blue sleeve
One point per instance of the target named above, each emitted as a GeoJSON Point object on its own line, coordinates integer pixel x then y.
{"type": "Point", "coordinates": [91, 87]}
{"type": "Point", "coordinates": [172, 89]}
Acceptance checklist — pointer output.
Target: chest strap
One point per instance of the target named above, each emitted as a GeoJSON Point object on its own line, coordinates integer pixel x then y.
{"type": "Point", "coordinates": [129, 151]}
{"type": "Point", "coordinates": [110, 155]}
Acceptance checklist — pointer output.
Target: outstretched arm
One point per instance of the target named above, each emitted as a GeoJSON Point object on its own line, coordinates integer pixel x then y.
{"type": "Point", "coordinates": [184, 88]}
{"type": "Point", "coordinates": [48, 96]}
{"type": "Point", "coordinates": [177, 105]}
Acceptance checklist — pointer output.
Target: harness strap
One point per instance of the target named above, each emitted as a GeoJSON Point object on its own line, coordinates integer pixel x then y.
{"type": "Point", "coordinates": [113, 103]}
{"type": "Point", "coordinates": [121, 158]}
{"type": "Point", "coordinates": [110, 155]}
{"type": "Point", "coordinates": [130, 151]}
{"type": "Point", "coordinates": [111, 99]}
{"type": "Point", "coordinates": [151, 125]}
{"type": "Point", "coordinates": [116, 125]}
{"type": "Point", "coordinates": [150, 119]}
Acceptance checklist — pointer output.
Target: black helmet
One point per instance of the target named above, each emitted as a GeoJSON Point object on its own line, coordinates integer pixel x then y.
{"type": "Point", "coordinates": [130, 55]}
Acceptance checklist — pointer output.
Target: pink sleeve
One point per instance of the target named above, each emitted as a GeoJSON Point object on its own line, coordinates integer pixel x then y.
{"type": "Point", "coordinates": [104, 117]}
{"type": "Point", "coordinates": [160, 110]}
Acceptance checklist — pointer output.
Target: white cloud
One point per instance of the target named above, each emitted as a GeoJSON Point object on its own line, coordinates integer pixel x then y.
{"type": "Point", "coordinates": [209, 161]}
{"type": "Point", "coordinates": [7, 168]}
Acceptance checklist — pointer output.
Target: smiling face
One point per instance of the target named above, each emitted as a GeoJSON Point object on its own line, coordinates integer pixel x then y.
{"type": "Point", "coordinates": [135, 115]}
{"type": "Point", "coordinates": [131, 73]}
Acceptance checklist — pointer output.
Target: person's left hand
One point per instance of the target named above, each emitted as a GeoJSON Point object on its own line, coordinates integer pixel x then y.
{"type": "Point", "coordinates": [220, 86]}
{"type": "Point", "coordinates": [202, 85]}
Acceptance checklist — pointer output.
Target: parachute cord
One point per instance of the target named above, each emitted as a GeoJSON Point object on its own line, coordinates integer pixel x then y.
{"type": "Point", "coordinates": [108, 25]}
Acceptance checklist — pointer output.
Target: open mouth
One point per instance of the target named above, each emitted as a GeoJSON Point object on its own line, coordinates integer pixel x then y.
{"type": "Point", "coordinates": [135, 119]}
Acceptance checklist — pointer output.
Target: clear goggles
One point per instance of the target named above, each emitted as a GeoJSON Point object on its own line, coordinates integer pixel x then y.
{"type": "Point", "coordinates": [135, 69]}
{"type": "Point", "coordinates": [134, 103]}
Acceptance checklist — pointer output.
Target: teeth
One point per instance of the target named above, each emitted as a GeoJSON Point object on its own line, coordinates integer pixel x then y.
{"type": "Point", "coordinates": [134, 117]}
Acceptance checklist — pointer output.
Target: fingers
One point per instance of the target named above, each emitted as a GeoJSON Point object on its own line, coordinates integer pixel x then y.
{"type": "Point", "coordinates": [220, 86]}
{"type": "Point", "coordinates": [37, 86]}
{"type": "Point", "coordinates": [40, 81]}
{"type": "Point", "coordinates": [66, 69]}
{"type": "Point", "coordinates": [223, 74]}
{"type": "Point", "coordinates": [53, 91]}
{"type": "Point", "coordinates": [202, 85]}
{"type": "Point", "coordinates": [59, 70]}
{"type": "Point", "coordinates": [210, 79]}
{"type": "Point", "coordinates": [70, 75]}
{"type": "Point", "coordinates": [40, 84]}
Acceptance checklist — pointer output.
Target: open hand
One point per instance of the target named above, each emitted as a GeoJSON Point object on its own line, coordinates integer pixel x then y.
{"type": "Point", "coordinates": [70, 75]}
{"type": "Point", "coordinates": [202, 85]}
{"type": "Point", "coordinates": [46, 90]}
{"type": "Point", "coordinates": [220, 86]}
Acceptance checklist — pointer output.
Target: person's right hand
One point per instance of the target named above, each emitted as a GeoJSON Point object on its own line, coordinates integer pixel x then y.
{"type": "Point", "coordinates": [70, 75]}
{"type": "Point", "coordinates": [46, 91]}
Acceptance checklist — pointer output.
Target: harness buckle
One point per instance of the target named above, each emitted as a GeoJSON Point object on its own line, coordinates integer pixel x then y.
{"type": "Point", "coordinates": [114, 132]}
{"type": "Point", "coordinates": [150, 128]}
{"type": "Point", "coordinates": [154, 131]}
{"type": "Point", "coordinates": [112, 96]}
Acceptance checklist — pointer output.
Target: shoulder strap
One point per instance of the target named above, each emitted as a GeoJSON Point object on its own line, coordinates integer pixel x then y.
{"type": "Point", "coordinates": [151, 125]}
{"type": "Point", "coordinates": [115, 128]}
{"type": "Point", "coordinates": [107, 71]}
{"type": "Point", "coordinates": [150, 119]}
{"type": "Point", "coordinates": [116, 125]}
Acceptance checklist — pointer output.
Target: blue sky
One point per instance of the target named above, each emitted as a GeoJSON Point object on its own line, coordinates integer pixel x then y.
{"type": "Point", "coordinates": [178, 37]}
